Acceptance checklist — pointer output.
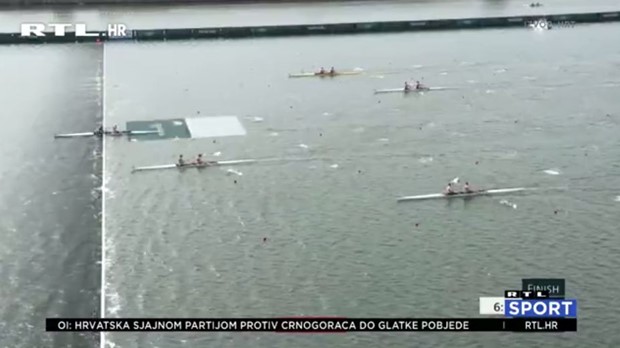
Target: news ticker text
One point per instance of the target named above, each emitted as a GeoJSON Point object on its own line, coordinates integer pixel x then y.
{"type": "Point", "coordinates": [310, 325]}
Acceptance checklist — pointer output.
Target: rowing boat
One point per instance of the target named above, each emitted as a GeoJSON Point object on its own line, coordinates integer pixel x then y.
{"type": "Point", "coordinates": [412, 90]}
{"type": "Point", "coordinates": [462, 194]}
{"type": "Point", "coordinates": [327, 74]}
{"type": "Point", "coordinates": [110, 133]}
{"type": "Point", "coordinates": [204, 165]}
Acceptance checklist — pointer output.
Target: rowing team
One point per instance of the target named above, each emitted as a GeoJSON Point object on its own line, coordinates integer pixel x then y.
{"type": "Point", "coordinates": [332, 71]}
{"type": "Point", "coordinates": [450, 189]}
{"type": "Point", "coordinates": [199, 161]}
{"type": "Point", "coordinates": [409, 87]}
{"type": "Point", "coordinates": [100, 131]}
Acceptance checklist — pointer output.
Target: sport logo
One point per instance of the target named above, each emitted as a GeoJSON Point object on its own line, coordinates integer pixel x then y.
{"type": "Point", "coordinates": [61, 29]}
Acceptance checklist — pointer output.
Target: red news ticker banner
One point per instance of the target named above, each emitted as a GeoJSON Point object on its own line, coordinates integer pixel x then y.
{"type": "Point", "coordinates": [310, 325]}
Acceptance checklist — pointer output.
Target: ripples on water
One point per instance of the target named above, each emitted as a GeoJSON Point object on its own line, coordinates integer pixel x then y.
{"type": "Point", "coordinates": [320, 234]}
{"type": "Point", "coordinates": [50, 204]}
{"type": "Point", "coordinates": [300, 236]}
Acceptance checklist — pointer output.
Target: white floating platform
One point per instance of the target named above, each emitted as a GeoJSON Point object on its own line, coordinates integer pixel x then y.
{"type": "Point", "coordinates": [214, 126]}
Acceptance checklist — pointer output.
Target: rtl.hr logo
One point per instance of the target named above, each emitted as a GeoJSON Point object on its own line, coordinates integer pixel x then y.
{"type": "Point", "coordinates": [61, 29]}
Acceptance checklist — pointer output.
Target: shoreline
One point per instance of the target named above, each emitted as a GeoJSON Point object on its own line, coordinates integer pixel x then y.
{"type": "Point", "coordinates": [41, 4]}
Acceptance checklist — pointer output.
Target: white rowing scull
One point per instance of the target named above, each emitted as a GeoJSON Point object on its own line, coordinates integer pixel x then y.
{"type": "Point", "coordinates": [110, 133]}
{"type": "Point", "coordinates": [192, 165]}
{"type": "Point", "coordinates": [412, 90]}
{"type": "Point", "coordinates": [462, 194]}
{"type": "Point", "coordinates": [325, 74]}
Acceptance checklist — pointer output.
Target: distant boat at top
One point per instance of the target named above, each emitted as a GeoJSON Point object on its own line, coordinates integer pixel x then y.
{"type": "Point", "coordinates": [326, 73]}
{"type": "Point", "coordinates": [412, 90]}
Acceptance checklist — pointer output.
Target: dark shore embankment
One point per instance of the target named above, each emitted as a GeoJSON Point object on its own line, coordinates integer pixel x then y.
{"type": "Point", "coordinates": [557, 21]}
{"type": "Point", "coordinates": [25, 4]}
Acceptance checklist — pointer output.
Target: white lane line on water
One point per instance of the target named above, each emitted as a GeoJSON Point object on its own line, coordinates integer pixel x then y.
{"type": "Point", "coordinates": [103, 182]}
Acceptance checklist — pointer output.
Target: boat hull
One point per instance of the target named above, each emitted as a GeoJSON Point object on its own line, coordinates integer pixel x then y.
{"type": "Point", "coordinates": [413, 90]}
{"type": "Point", "coordinates": [75, 135]}
{"type": "Point", "coordinates": [188, 166]}
{"type": "Point", "coordinates": [473, 194]}
{"type": "Point", "coordinates": [341, 73]}
{"type": "Point", "coordinates": [92, 134]}
{"type": "Point", "coordinates": [138, 132]}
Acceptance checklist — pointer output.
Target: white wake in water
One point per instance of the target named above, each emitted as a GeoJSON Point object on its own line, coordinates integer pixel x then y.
{"type": "Point", "coordinates": [617, 199]}
{"type": "Point", "coordinates": [112, 297]}
{"type": "Point", "coordinates": [508, 204]}
{"type": "Point", "coordinates": [426, 159]}
{"type": "Point", "coordinates": [552, 172]}
{"type": "Point", "coordinates": [232, 171]}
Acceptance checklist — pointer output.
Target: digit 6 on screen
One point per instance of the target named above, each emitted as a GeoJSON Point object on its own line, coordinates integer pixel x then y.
{"type": "Point", "coordinates": [492, 305]}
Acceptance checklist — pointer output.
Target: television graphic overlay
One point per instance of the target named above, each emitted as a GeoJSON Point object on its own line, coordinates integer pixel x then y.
{"type": "Point", "coordinates": [309, 325]}
{"type": "Point", "coordinates": [538, 299]}
{"type": "Point", "coordinates": [555, 286]}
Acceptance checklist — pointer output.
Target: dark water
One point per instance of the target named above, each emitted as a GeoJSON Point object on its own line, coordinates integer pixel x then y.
{"type": "Point", "coordinates": [49, 202]}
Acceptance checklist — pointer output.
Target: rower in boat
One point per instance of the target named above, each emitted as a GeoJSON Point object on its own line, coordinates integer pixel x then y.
{"type": "Point", "coordinates": [322, 71]}
{"type": "Point", "coordinates": [115, 130]}
{"type": "Point", "coordinates": [332, 71]}
{"type": "Point", "coordinates": [418, 85]}
{"type": "Point", "coordinates": [181, 161]}
{"type": "Point", "coordinates": [407, 86]}
{"type": "Point", "coordinates": [449, 190]}
{"type": "Point", "coordinates": [199, 161]}
{"type": "Point", "coordinates": [99, 132]}
{"type": "Point", "coordinates": [467, 188]}
{"type": "Point", "coordinates": [202, 163]}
